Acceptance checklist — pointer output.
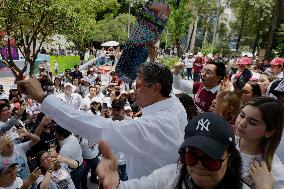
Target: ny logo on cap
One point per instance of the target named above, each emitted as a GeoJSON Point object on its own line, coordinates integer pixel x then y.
{"type": "Point", "coordinates": [203, 124]}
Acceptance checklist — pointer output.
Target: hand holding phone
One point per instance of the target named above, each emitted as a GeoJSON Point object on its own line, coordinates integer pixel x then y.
{"type": "Point", "coordinates": [243, 79]}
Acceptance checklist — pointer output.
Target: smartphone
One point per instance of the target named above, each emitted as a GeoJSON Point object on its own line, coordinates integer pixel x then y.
{"type": "Point", "coordinates": [104, 108]}
{"type": "Point", "coordinates": [244, 78]}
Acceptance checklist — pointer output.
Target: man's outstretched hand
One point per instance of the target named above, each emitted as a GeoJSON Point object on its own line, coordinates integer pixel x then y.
{"type": "Point", "coordinates": [32, 89]}
{"type": "Point", "coordinates": [107, 168]}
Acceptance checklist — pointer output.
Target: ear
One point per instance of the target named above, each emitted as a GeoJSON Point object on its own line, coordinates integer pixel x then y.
{"type": "Point", "coordinates": [268, 134]}
{"type": "Point", "coordinates": [157, 87]}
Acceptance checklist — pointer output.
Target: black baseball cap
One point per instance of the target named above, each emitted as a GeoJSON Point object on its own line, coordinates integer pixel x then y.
{"type": "Point", "coordinates": [210, 133]}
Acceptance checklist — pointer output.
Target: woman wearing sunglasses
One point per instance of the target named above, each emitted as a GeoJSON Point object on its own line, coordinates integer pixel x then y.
{"type": "Point", "coordinates": [259, 127]}
{"type": "Point", "coordinates": [208, 159]}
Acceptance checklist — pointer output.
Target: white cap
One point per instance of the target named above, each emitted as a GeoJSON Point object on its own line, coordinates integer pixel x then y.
{"type": "Point", "coordinates": [70, 84]}
{"type": "Point", "coordinates": [127, 108]}
{"type": "Point", "coordinates": [14, 86]}
{"type": "Point", "coordinates": [199, 54]}
{"type": "Point", "coordinates": [4, 97]}
{"type": "Point", "coordinates": [131, 91]}
{"type": "Point", "coordinates": [210, 55]}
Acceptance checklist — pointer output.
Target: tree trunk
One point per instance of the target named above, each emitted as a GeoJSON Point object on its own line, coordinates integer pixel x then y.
{"type": "Point", "coordinates": [204, 43]}
{"type": "Point", "coordinates": [277, 12]}
{"type": "Point", "coordinates": [189, 35]}
{"type": "Point", "coordinates": [243, 13]}
{"type": "Point", "coordinates": [257, 35]}
{"type": "Point", "coordinates": [192, 41]}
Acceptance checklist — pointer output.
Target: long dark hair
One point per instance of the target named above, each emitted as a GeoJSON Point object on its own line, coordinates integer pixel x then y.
{"type": "Point", "coordinates": [273, 117]}
{"type": "Point", "coordinates": [233, 175]}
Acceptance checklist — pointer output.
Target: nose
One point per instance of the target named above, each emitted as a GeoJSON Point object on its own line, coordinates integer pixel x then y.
{"type": "Point", "coordinates": [242, 123]}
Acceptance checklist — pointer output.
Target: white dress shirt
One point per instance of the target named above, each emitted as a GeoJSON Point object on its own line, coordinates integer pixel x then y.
{"type": "Point", "coordinates": [71, 149]}
{"type": "Point", "coordinates": [75, 99]}
{"type": "Point", "coordinates": [149, 142]}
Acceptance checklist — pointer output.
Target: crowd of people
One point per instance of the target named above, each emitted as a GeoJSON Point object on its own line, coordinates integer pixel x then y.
{"type": "Point", "coordinates": [203, 124]}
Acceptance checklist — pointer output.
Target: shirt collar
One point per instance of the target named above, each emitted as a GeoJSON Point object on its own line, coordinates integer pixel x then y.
{"type": "Point", "coordinates": [214, 89]}
{"type": "Point", "coordinates": [161, 105]}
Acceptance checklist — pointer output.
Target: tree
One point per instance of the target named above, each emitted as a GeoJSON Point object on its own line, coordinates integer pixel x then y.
{"type": "Point", "coordinates": [31, 22]}
{"type": "Point", "coordinates": [113, 29]}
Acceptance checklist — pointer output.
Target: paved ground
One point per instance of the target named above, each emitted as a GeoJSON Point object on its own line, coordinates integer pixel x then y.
{"type": "Point", "coordinates": [7, 82]}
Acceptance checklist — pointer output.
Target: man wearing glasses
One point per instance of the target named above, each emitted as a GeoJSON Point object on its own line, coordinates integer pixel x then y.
{"type": "Point", "coordinates": [147, 141]}
{"type": "Point", "coordinates": [204, 91]}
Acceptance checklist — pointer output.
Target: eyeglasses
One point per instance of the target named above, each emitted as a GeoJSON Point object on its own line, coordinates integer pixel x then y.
{"type": "Point", "coordinates": [192, 157]}
{"type": "Point", "coordinates": [4, 110]}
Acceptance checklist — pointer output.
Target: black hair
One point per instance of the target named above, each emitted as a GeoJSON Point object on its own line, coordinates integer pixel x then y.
{"type": "Point", "coordinates": [117, 103]}
{"type": "Point", "coordinates": [38, 157]}
{"type": "Point", "coordinates": [256, 91]}
{"type": "Point", "coordinates": [220, 69]}
{"type": "Point", "coordinates": [232, 178]}
{"type": "Point", "coordinates": [2, 106]}
{"type": "Point", "coordinates": [61, 131]}
{"type": "Point", "coordinates": [188, 105]}
{"type": "Point", "coordinates": [157, 73]}
{"type": "Point", "coordinates": [75, 66]}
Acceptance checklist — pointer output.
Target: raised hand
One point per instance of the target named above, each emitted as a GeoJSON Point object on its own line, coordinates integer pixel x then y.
{"type": "Point", "coordinates": [107, 168]}
{"type": "Point", "coordinates": [261, 177]}
{"type": "Point", "coordinates": [33, 176]}
{"type": "Point", "coordinates": [4, 140]}
{"type": "Point", "coordinates": [32, 88]}
{"type": "Point", "coordinates": [178, 67]}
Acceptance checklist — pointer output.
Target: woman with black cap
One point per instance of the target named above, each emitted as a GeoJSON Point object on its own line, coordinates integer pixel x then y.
{"type": "Point", "coordinates": [208, 159]}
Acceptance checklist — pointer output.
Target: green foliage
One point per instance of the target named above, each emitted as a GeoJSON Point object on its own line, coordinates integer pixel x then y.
{"type": "Point", "coordinates": [64, 62]}
{"type": "Point", "coordinates": [113, 29]}
{"type": "Point", "coordinates": [170, 61]}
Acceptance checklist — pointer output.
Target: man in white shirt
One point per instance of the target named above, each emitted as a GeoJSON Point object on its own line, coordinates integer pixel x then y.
{"type": "Point", "coordinates": [71, 149]}
{"type": "Point", "coordinates": [85, 105]}
{"type": "Point", "coordinates": [147, 140]}
{"type": "Point", "coordinates": [69, 97]}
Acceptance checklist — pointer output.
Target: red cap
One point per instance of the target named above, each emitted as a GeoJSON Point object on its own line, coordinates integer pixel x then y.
{"type": "Point", "coordinates": [277, 61]}
{"type": "Point", "coordinates": [244, 60]}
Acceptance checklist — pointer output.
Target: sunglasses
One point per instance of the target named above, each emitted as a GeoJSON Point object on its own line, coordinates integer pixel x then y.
{"type": "Point", "coordinates": [192, 157]}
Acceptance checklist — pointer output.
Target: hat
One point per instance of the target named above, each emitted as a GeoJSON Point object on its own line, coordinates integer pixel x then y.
{"type": "Point", "coordinates": [6, 163]}
{"type": "Point", "coordinates": [4, 97]}
{"type": "Point", "coordinates": [70, 84]}
{"type": "Point", "coordinates": [127, 108]}
{"type": "Point", "coordinates": [210, 55]}
{"type": "Point", "coordinates": [277, 61]}
{"type": "Point", "coordinates": [244, 61]}
{"type": "Point", "coordinates": [210, 133]}
{"type": "Point", "coordinates": [14, 86]}
{"type": "Point", "coordinates": [131, 91]}
{"type": "Point", "coordinates": [199, 54]}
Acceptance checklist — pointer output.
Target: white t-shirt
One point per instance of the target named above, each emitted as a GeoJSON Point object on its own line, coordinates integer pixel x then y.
{"type": "Point", "coordinates": [16, 184]}
{"type": "Point", "coordinates": [277, 169]}
{"type": "Point", "coordinates": [60, 179]}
